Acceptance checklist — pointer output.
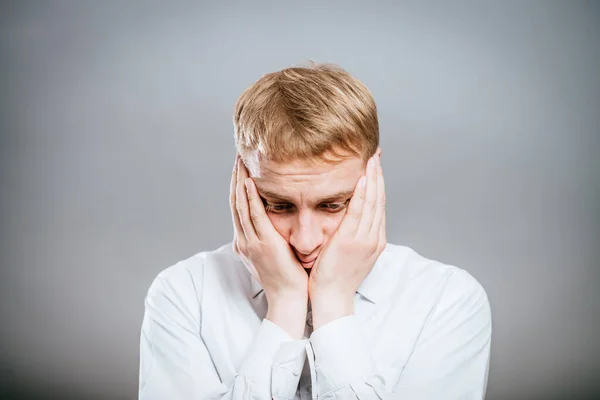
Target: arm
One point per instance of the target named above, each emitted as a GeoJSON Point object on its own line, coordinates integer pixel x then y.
{"type": "Point", "coordinates": [450, 359]}
{"type": "Point", "coordinates": [342, 363]}
{"type": "Point", "coordinates": [451, 356]}
{"type": "Point", "coordinates": [176, 364]}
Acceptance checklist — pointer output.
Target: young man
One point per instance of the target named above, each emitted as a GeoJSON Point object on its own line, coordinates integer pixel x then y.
{"type": "Point", "coordinates": [309, 301]}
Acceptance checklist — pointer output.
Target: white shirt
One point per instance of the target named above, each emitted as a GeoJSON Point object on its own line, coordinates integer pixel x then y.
{"type": "Point", "coordinates": [421, 330]}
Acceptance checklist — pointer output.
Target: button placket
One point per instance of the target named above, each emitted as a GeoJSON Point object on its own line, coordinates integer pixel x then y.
{"type": "Point", "coordinates": [313, 375]}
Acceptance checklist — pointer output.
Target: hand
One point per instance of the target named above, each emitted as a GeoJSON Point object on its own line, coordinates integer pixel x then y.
{"type": "Point", "coordinates": [267, 255]}
{"type": "Point", "coordinates": [349, 256]}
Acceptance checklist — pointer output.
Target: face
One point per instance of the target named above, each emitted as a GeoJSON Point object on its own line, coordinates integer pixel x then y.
{"type": "Point", "coordinates": [306, 202]}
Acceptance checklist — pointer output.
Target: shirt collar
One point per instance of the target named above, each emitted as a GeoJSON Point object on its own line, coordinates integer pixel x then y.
{"type": "Point", "coordinates": [372, 288]}
{"type": "Point", "coordinates": [255, 288]}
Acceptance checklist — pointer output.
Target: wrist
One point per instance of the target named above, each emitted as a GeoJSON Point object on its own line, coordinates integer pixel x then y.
{"type": "Point", "coordinates": [289, 315]}
{"type": "Point", "coordinates": [328, 308]}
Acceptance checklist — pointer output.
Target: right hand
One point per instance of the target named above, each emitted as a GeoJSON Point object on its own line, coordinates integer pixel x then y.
{"type": "Point", "coordinates": [264, 252]}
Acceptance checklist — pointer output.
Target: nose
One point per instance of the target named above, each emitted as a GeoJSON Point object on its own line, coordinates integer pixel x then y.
{"type": "Point", "coordinates": [306, 234]}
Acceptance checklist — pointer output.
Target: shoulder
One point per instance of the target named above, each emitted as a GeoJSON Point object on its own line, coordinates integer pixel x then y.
{"type": "Point", "coordinates": [179, 287]}
{"type": "Point", "coordinates": [447, 286]}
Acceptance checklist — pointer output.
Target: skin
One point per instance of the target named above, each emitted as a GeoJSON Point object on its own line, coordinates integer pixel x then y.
{"type": "Point", "coordinates": [280, 219]}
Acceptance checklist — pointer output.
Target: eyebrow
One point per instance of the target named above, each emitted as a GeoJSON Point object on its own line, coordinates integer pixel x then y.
{"type": "Point", "coordinates": [327, 199]}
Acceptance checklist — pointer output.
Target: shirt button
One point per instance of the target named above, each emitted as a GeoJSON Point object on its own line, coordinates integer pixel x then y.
{"type": "Point", "coordinates": [309, 320]}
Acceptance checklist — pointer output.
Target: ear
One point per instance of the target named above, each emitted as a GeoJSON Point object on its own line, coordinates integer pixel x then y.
{"type": "Point", "coordinates": [378, 152]}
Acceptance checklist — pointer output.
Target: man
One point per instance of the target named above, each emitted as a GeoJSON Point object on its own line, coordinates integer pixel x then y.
{"type": "Point", "coordinates": [309, 300]}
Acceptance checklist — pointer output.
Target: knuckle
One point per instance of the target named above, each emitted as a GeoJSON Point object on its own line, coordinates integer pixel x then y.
{"type": "Point", "coordinates": [239, 188]}
{"type": "Point", "coordinates": [252, 249]}
{"type": "Point", "coordinates": [239, 207]}
{"type": "Point", "coordinates": [373, 246]}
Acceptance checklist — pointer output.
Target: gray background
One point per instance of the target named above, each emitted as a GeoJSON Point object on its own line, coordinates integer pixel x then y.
{"type": "Point", "coordinates": [117, 146]}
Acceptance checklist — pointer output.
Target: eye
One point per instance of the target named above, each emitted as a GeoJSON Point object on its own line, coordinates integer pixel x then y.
{"type": "Point", "coordinates": [335, 207]}
{"type": "Point", "coordinates": [277, 208]}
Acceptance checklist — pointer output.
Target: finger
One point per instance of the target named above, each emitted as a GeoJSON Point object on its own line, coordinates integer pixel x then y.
{"type": "Point", "coordinates": [380, 207]}
{"type": "Point", "coordinates": [258, 216]}
{"type": "Point", "coordinates": [382, 235]}
{"type": "Point", "coordinates": [350, 221]}
{"type": "Point", "coordinates": [369, 206]}
{"type": "Point", "coordinates": [242, 202]}
{"type": "Point", "coordinates": [237, 226]}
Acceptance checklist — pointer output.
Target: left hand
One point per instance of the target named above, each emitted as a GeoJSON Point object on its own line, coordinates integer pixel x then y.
{"type": "Point", "coordinates": [349, 256]}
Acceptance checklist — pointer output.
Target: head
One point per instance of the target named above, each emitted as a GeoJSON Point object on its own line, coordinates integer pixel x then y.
{"type": "Point", "coordinates": [305, 135]}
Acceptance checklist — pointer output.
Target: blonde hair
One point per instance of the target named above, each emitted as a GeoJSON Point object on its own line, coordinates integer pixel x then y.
{"type": "Point", "coordinates": [315, 113]}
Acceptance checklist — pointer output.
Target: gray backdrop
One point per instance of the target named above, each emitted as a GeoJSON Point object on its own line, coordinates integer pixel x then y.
{"type": "Point", "coordinates": [117, 147]}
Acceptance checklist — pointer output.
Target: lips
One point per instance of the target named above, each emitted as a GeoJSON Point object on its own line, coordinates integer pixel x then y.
{"type": "Point", "coordinates": [308, 265]}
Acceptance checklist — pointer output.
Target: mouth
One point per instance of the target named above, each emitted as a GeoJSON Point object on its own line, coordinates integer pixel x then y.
{"type": "Point", "coordinates": [308, 264]}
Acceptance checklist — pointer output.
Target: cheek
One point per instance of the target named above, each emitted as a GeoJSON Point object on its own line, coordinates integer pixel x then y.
{"type": "Point", "coordinates": [332, 222]}
{"type": "Point", "coordinates": [281, 224]}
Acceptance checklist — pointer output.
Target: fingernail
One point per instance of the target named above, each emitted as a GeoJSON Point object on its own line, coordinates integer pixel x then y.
{"type": "Point", "coordinates": [363, 181]}
{"type": "Point", "coordinates": [248, 183]}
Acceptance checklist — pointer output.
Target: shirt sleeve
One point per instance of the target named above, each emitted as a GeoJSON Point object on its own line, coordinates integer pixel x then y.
{"type": "Point", "coordinates": [450, 359]}
{"type": "Point", "coordinates": [343, 365]}
{"type": "Point", "coordinates": [176, 364]}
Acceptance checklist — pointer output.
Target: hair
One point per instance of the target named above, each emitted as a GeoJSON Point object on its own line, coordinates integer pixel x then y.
{"type": "Point", "coordinates": [318, 113]}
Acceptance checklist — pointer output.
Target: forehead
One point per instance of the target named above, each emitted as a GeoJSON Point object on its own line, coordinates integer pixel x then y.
{"type": "Point", "coordinates": [300, 181]}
